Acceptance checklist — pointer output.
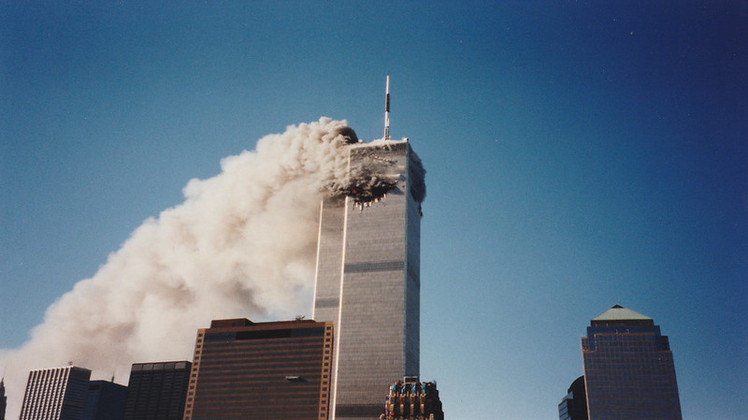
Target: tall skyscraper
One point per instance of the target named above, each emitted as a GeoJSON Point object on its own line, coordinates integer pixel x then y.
{"type": "Point", "coordinates": [367, 279]}
{"type": "Point", "coordinates": [266, 370]}
{"type": "Point", "coordinates": [574, 404]}
{"type": "Point", "coordinates": [55, 394]}
{"type": "Point", "coordinates": [157, 391]}
{"type": "Point", "coordinates": [628, 368]}
{"type": "Point", "coordinates": [106, 401]}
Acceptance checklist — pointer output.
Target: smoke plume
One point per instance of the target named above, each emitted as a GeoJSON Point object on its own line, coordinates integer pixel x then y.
{"type": "Point", "coordinates": [241, 245]}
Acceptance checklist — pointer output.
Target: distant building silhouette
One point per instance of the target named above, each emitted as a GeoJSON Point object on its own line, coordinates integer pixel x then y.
{"type": "Point", "coordinates": [157, 391]}
{"type": "Point", "coordinates": [628, 368]}
{"type": "Point", "coordinates": [267, 370]}
{"type": "Point", "coordinates": [3, 399]}
{"type": "Point", "coordinates": [55, 394]}
{"type": "Point", "coordinates": [574, 404]}
{"type": "Point", "coordinates": [106, 401]}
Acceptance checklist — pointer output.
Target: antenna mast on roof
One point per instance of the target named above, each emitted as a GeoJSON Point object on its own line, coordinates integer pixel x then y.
{"type": "Point", "coordinates": [387, 110]}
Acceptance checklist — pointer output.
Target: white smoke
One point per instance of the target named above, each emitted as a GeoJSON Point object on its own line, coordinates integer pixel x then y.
{"type": "Point", "coordinates": [241, 245]}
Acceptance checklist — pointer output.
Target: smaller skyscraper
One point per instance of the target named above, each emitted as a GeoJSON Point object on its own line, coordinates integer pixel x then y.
{"type": "Point", "coordinates": [106, 401]}
{"type": "Point", "coordinates": [3, 399]}
{"type": "Point", "coordinates": [574, 404]}
{"type": "Point", "coordinates": [157, 391]}
{"type": "Point", "coordinates": [628, 368]}
{"type": "Point", "coordinates": [266, 370]}
{"type": "Point", "coordinates": [55, 394]}
{"type": "Point", "coordinates": [410, 399]}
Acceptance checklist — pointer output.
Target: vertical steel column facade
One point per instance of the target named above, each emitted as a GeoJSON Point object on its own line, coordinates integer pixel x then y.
{"type": "Point", "coordinates": [368, 283]}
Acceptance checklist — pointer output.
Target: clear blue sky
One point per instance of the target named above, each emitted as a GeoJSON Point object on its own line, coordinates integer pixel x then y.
{"type": "Point", "coordinates": [579, 155]}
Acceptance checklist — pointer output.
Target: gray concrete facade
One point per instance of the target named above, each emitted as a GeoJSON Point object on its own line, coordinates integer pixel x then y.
{"type": "Point", "coordinates": [367, 281]}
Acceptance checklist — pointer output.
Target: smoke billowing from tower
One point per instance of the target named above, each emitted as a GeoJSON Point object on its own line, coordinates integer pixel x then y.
{"type": "Point", "coordinates": [241, 245]}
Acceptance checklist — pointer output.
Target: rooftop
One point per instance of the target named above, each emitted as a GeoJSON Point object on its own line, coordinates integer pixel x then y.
{"type": "Point", "coordinates": [618, 313]}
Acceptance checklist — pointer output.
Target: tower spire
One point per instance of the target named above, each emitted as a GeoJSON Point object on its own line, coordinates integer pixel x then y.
{"type": "Point", "coordinates": [387, 109]}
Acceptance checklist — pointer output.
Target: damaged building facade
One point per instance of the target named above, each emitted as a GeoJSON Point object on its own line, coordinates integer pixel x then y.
{"type": "Point", "coordinates": [367, 279]}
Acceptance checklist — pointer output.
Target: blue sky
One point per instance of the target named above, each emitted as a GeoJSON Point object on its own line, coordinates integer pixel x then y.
{"type": "Point", "coordinates": [578, 155]}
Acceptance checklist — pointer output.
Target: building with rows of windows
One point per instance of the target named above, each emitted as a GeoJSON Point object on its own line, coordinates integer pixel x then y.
{"type": "Point", "coordinates": [157, 390]}
{"type": "Point", "coordinates": [244, 369]}
{"type": "Point", "coordinates": [628, 368]}
{"type": "Point", "coordinates": [55, 394]}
